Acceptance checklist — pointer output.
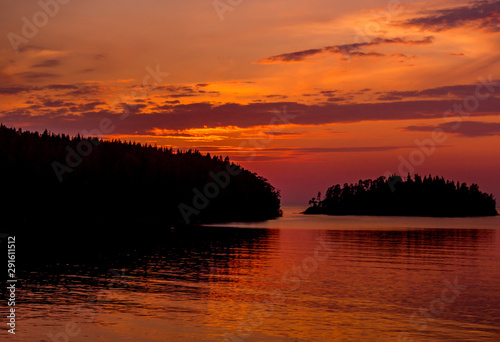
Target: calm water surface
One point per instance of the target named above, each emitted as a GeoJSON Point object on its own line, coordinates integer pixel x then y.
{"type": "Point", "coordinates": [298, 278]}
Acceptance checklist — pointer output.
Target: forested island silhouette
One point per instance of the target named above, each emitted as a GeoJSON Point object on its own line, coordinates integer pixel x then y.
{"type": "Point", "coordinates": [67, 180]}
{"type": "Point", "coordinates": [393, 196]}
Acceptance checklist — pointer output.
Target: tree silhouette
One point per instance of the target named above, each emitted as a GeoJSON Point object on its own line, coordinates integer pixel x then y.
{"type": "Point", "coordinates": [119, 181]}
{"type": "Point", "coordinates": [430, 196]}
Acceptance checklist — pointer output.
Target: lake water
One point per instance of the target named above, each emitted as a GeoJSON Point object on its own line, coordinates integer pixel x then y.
{"type": "Point", "coordinates": [295, 279]}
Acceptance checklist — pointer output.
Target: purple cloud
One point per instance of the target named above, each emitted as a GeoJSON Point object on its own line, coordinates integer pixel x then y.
{"type": "Point", "coordinates": [354, 49]}
{"type": "Point", "coordinates": [484, 14]}
{"type": "Point", "coordinates": [469, 129]}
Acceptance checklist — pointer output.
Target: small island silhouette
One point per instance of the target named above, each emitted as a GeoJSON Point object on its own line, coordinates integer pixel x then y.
{"type": "Point", "coordinates": [428, 196]}
{"type": "Point", "coordinates": [74, 180]}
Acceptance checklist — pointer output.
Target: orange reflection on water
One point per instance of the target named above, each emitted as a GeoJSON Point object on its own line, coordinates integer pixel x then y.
{"type": "Point", "coordinates": [224, 284]}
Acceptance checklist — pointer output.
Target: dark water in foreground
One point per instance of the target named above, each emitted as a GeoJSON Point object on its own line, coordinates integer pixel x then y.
{"type": "Point", "coordinates": [312, 278]}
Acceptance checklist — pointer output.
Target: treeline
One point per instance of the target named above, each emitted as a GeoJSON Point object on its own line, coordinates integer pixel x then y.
{"type": "Point", "coordinates": [417, 196]}
{"type": "Point", "coordinates": [68, 180]}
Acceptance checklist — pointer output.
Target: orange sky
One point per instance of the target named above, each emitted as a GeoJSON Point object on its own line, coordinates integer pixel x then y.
{"type": "Point", "coordinates": [320, 92]}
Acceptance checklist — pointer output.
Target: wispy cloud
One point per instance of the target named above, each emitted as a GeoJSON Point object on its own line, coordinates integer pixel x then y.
{"type": "Point", "coordinates": [48, 63]}
{"type": "Point", "coordinates": [455, 91]}
{"type": "Point", "coordinates": [177, 91]}
{"type": "Point", "coordinates": [282, 153]}
{"type": "Point", "coordinates": [355, 49]}
{"type": "Point", "coordinates": [482, 14]}
{"type": "Point", "coordinates": [469, 129]}
{"type": "Point", "coordinates": [13, 90]}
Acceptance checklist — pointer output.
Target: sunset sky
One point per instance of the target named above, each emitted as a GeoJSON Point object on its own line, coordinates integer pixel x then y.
{"type": "Point", "coordinates": [305, 93]}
